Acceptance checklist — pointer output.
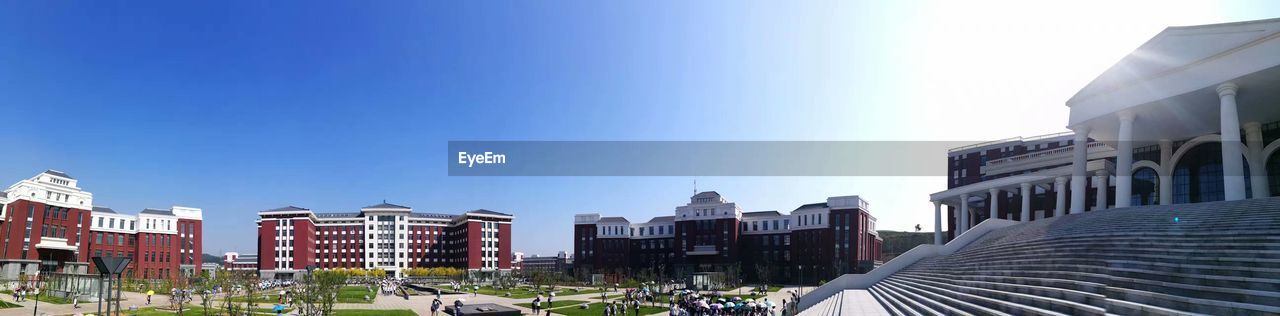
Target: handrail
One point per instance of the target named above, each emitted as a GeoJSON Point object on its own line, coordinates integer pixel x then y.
{"type": "Point", "coordinates": [1042, 153]}
{"type": "Point", "coordinates": [906, 259]}
{"type": "Point", "coordinates": [1018, 138]}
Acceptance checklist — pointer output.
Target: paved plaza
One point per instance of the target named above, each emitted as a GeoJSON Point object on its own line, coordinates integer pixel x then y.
{"type": "Point", "coordinates": [420, 304]}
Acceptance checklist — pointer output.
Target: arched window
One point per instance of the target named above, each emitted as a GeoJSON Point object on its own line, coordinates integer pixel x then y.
{"type": "Point", "coordinates": [1198, 175]}
{"type": "Point", "coordinates": [1146, 187]}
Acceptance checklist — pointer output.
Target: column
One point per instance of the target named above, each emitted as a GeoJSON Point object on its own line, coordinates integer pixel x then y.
{"type": "Point", "coordinates": [1078, 177]}
{"type": "Point", "coordinates": [1232, 166]}
{"type": "Point", "coordinates": [1100, 178]}
{"type": "Point", "coordinates": [1026, 202]}
{"type": "Point", "coordinates": [1060, 188]}
{"type": "Point", "coordinates": [1257, 169]}
{"type": "Point", "coordinates": [1166, 171]}
{"type": "Point", "coordinates": [937, 222]}
{"type": "Point", "coordinates": [1124, 160]}
{"type": "Point", "coordinates": [995, 203]}
{"type": "Point", "coordinates": [964, 214]}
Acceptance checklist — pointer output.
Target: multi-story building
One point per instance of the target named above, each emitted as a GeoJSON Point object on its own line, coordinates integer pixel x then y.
{"type": "Point", "coordinates": [711, 238]}
{"type": "Point", "coordinates": [44, 226]}
{"type": "Point", "coordinates": [383, 236]}
{"type": "Point", "coordinates": [160, 243]}
{"type": "Point", "coordinates": [1213, 82]}
{"type": "Point", "coordinates": [50, 224]}
{"type": "Point", "coordinates": [559, 263]}
{"type": "Point", "coordinates": [236, 262]}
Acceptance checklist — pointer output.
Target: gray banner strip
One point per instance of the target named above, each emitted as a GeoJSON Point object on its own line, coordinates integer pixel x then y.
{"type": "Point", "coordinates": [699, 158]}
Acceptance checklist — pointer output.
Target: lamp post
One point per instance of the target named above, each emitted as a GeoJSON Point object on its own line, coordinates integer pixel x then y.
{"type": "Point", "coordinates": [801, 279]}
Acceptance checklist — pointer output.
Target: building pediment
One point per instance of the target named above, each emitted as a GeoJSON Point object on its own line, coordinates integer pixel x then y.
{"type": "Point", "coordinates": [1175, 48]}
{"type": "Point", "coordinates": [1179, 62]}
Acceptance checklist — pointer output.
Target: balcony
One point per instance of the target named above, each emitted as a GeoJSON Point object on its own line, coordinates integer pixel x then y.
{"type": "Point", "coordinates": [703, 250]}
{"type": "Point", "coordinates": [1044, 158]}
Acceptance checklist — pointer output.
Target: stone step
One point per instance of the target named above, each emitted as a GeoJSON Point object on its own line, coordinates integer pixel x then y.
{"type": "Point", "coordinates": [920, 303]}
{"type": "Point", "coordinates": [1087, 287]}
{"type": "Point", "coordinates": [1216, 293]}
{"type": "Point", "coordinates": [1190, 304]}
{"type": "Point", "coordinates": [1121, 254]}
{"type": "Point", "coordinates": [1045, 298]}
{"type": "Point", "coordinates": [976, 304]}
{"type": "Point", "coordinates": [1123, 239]}
{"type": "Point", "coordinates": [1088, 248]}
{"type": "Point", "coordinates": [1161, 266]}
{"type": "Point", "coordinates": [1259, 284]}
{"type": "Point", "coordinates": [1218, 258]}
{"type": "Point", "coordinates": [891, 304]}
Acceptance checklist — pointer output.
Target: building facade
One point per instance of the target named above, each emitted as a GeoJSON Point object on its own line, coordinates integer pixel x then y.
{"type": "Point", "coordinates": [51, 225]}
{"type": "Point", "coordinates": [44, 226]}
{"type": "Point", "coordinates": [1216, 81]}
{"type": "Point", "coordinates": [561, 263]}
{"type": "Point", "coordinates": [161, 243]}
{"type": "Point", "coordinates": [234, 261]}
{"type": "Point", "coordinates": [383, 236]}
{"type": "Point", "coordinates": [711, 239]}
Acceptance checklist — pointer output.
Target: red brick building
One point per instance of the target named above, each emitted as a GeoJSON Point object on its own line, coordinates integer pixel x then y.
{"type": "Point", "coordinates": [711, 238]}
{"type": "Point", "coordinates": [161, 243]}
{"type": "Point", "coordinates": [43, 226]}
{"type": "Point", "coordinates": [383, 236]}
{"type": "Point", "coordinates": [50, 224]}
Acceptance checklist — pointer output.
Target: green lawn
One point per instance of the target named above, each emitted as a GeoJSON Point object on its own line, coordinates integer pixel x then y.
{"type": "Point", "coordinates": [42, 298]}
{"type": "Point", "coordinates": [557, 304]}
{"type": "Point", "coordinates": [355, 294]}
{"type": "Point", "coordinates": [4, 304]}
{"type": "Point", "coordinates": [259, 298]}
{"type": "Point", "coordinates": [596, 309]}
{"type": "Point", "coordinates": [373, 312]}
{"type": "Point", "coordinates": [526, 292]}
{"type": "Point", "coordinates": [196, 310]}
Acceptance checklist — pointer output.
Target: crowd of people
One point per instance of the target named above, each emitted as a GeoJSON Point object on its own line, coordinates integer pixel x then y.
{"type": "Point", "coordinates": [690, 303]}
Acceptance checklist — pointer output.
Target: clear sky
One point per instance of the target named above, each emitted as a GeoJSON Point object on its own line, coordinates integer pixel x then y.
{"type": "Point", "coordinates": [242, 106]}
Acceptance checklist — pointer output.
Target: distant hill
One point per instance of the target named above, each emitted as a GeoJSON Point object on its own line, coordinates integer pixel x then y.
{"type": "Point", "coordinates": [896, 243]}
{"type": "Point", "coordinates": [208, 258]}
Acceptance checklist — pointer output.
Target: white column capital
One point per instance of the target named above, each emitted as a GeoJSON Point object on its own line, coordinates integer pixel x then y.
{"type": "Point", "coordinates": [1227, 89]}
{"type": "Point", "coordinates": [993, 191]}
{"type": "Point", "coordinates": [1060, 181]}
{"type": "Point", "coordinates": [1080, 130]}
{"type": "Point", "coordinates": [1126, 116]}
{"type": "Point", "coordinates": [1025, 186]}
{"type": "Point", "coordinates": [1101, 173]}
{"type": "Point", "coordinates": [937, 203]}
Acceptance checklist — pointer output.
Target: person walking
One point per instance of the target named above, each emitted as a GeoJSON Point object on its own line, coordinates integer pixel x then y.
{"type": "Point", "coordinates": [537, 304]}
{"type": "Point", "coordinates": [435, 305]}
{"type": "Point", "coordinates": [149, 294]}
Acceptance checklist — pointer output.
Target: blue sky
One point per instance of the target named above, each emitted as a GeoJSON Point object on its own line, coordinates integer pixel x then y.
{"type": "Point", "coordinates": [241, 106]}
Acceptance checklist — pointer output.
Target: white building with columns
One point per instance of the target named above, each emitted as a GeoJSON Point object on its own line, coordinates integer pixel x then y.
{"type": "Point", "coordinates": [1193, 115]}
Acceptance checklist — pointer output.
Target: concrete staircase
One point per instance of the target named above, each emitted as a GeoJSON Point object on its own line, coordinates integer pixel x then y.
{"type": "Point", "coordinates": [1198, 259]}
{"type": "Point", "coordinates": [1216, 258]}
